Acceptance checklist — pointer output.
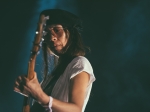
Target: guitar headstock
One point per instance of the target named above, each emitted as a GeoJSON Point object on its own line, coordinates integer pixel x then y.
{"type": "Point", "coordinates": [40, 33]}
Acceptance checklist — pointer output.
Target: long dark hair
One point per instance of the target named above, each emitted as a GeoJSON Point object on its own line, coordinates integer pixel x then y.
{"type": "Point", "coordinates": [73, 48]}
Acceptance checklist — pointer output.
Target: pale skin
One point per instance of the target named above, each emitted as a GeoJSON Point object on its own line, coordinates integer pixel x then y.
{"type": "Point", "coordinates": [78, 86]}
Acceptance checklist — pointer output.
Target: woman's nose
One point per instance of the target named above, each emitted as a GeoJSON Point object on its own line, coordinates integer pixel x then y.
{"type": "Point", "coordinates": [53, 38]}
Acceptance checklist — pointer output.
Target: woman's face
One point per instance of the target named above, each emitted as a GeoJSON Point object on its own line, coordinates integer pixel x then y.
{"type": "Point", "coordinates": [56, 38]}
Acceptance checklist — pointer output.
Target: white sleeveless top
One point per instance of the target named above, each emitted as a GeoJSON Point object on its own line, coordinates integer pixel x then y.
{"type": "Point", "coordinates": [76, 66]}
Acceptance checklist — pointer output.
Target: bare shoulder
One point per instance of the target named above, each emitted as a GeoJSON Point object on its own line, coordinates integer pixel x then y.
{"type": "Point", "coordinates": [83, 76]}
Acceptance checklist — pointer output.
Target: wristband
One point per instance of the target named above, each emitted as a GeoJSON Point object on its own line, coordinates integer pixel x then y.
{"type": "Point", "coordinates": [49, 105]}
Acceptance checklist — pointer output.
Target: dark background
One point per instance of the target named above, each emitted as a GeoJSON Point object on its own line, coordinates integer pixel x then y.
{"type": "Point", "coordinates": [117, 33]}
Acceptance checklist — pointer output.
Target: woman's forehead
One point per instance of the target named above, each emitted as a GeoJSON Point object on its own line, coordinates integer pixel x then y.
{"type": "Point", "coordinates": [54, 25]}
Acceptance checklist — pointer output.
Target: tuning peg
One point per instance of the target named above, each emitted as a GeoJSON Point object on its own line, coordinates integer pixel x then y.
{"type": "Point", "coordinates": [37, 32]}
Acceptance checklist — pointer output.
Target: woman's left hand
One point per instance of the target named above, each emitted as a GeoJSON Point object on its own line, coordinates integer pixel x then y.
{"type": "Point", "coordinates": [28, 87]}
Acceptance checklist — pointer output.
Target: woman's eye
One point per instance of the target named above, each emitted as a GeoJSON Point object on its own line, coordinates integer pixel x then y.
{"type": "Point", "coordinates": [56, 30]}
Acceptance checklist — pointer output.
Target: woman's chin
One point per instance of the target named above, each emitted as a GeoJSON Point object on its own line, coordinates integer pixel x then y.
{"type": "Point", "coordinates": [58, 52]}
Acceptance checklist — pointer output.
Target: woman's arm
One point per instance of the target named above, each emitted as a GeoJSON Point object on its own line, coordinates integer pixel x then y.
{"type": "Point", "coordinates": [76, 96]}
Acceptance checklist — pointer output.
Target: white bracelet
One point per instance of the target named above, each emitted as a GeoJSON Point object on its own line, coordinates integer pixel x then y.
{"type": "Point", "coordinates": [50, 103]}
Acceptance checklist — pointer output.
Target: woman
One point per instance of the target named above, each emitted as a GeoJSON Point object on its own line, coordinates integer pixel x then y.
{"type": "Point", "coordinates": [68, 87]}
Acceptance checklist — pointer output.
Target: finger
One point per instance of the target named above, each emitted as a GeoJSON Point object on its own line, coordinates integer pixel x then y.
{"type": "Point", "coordinates": [16, 89]}
{"type": "Point", "coordinates": [24, 80]}
{"type": "Point", "coordinates": [26, 90]}
{"type": "Point", "coordinates": [32, 73]}
{"type": "Point", "coordinates": [18, 80]}
{"type": "Point", "coordinates": [22, 89]}
{"type": "Point", "coordinates": [16, 85]}
{"type": "Point", "coordinates": [21, 93]}
{"type": "Point", "coordinates": [34, 76]}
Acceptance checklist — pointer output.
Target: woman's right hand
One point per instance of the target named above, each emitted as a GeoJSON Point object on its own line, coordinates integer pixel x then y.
{"type": "Point", "coordinates": [19, 85]}
{"type": "Point", "coordinates": [31, 88]}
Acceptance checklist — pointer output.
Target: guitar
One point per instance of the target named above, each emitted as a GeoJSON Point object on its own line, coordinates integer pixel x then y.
{"type": "Point", "coordinates": [40, 33]}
